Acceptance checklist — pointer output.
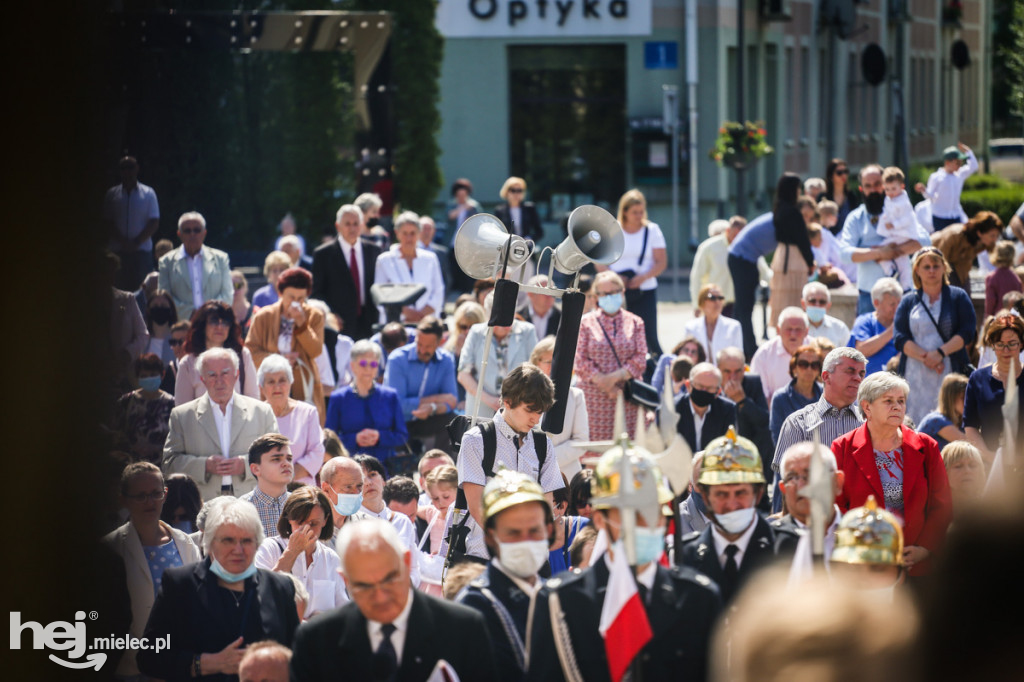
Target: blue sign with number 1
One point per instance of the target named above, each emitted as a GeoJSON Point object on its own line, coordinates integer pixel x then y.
{"type": "Point", "coordinates": [661, 55]}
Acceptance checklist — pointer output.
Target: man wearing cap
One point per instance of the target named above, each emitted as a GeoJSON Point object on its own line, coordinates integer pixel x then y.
{"type": "Point", "coordinates": [945, 184]}
{"type": "Point", "coordinates": [518, 526]}
{"type": "Point", "coordinates": [681, 605]}
{"type": "Point", "coordinates": [738, 541]}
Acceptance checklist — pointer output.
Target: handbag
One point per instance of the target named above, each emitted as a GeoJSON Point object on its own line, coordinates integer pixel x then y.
{"type": "Point", "coordinates": [965, 368]}
{"type": "Point", "coordinates": [635, 391]}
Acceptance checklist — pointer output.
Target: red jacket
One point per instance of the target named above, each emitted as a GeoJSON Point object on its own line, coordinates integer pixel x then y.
{"type": "Point", "coordinates": [927, 505]}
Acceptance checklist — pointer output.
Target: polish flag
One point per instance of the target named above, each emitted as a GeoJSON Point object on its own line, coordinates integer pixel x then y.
{"type": "Point", "coordinates": [624, 623]}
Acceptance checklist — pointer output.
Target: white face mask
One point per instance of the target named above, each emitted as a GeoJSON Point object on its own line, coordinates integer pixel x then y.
{"type": "Point", "coordinates": [523, 559]}
{"type": "Point", "coordinates": [735, 521]}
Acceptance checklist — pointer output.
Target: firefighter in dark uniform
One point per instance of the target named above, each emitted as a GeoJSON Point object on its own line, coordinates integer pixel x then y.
{"type": "Point", "coordinates": [518, 527]}
{"type": "Point", "coordinates": [681, 604]}
{"type": "Point", "coordinates": [738, 541]}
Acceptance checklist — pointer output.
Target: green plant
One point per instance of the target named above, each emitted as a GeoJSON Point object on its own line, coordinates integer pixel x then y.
{"type": "Point", "coordinates": [1003, 201]}
{"type": "Point", "coordinates": [738, 145]}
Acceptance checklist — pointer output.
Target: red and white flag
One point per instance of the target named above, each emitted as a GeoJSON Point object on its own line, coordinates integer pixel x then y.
{"type": "Point", "coordinates": [624, 623]}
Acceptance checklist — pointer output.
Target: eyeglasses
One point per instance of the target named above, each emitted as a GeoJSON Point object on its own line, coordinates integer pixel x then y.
{"type": "Point", "coordinates": [154, 496]}
{"type": "Point", "coordinates": [817, 301]}
{"type": "Point", "coordinates": [842, 171]}
{"type": "Point", "coordinates": [1013, 345]}
{"type": "Point", "coordinates": [369, 363]}
{"type": "Point", "coordinates": [218, 322]}
{"type": "Point", "coordinates": [715, 297]}
{"type": "Point", "coordinates": [175, 342]}
{"type": "Point", "coordinates": [804, 364]}
{"type": "Point", "coordinates": [389, 583]}
{"type": "Point", "coordinates": [516, 190]}
{"type": "Point", "coordinates": [793, 478]}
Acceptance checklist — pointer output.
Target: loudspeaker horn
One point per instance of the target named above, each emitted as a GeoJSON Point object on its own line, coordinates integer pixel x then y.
{"type": "Point", "coordinates": [480, 246]}
{"type": "Point", "coordinates": [594, 237]}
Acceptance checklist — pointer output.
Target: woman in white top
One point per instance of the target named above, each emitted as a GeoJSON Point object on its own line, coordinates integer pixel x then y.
{"type": "Point", "coordinates": [407, 262]}
{"type": "Point", "coordinates": [296, 419]}
{"type": "Point", "coordinates": [643, 259]}
{"type": "Point", "coordinates": [713, 330]}
{"type": "Point", "coordinates": [148, 546]}
{"type": "Point", "coordinates": [306, 520]}
{"type": "Point", "coordinates": [576, 426]}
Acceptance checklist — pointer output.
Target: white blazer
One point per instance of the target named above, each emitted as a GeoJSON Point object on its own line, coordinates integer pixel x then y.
{"type": "Point", "coordinates": [728, 332]}
{"type": "Point", "coordinates": [576, 427]}
{"type": "Point", "coordinates": [125, 541]}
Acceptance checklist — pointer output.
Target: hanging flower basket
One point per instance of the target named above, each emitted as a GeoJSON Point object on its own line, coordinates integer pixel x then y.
{"type": "Point", "coordinates": [952, 12]}
{"type": "Point", "coordinates": [740, 145]}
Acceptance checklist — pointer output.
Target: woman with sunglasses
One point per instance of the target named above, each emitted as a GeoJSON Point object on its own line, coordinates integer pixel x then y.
{"type": "Point", "coordinates": [466, 315]}
{"type": "Point", "coordinates": [366, 415]}
{"type": "Point", "coordinates": [160, 317]}
{"type": "Point", "coordinates": [519, 216]}
{"type": "Point", "coordinates": [213, 326]}
{"type": "Point", "coordinates": [713, 330]}
{"type": "Point", "coordinates": [986, 387]}
{"type": "Point", "coordinates": [298, 420]}
{"type": "Point", "coordinates": [804, 389]}
{"type": "Point", "coordinates": [934, 324]}
{"type": "Point", "coordinates": [836, 176]}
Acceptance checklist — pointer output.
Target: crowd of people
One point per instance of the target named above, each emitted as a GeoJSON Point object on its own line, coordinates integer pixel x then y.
{"type": "Point", "coordinates": [294, 498]}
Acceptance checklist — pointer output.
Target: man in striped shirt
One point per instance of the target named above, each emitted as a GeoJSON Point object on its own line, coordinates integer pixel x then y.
{"type": "Point", "coordinates": [834, 414]}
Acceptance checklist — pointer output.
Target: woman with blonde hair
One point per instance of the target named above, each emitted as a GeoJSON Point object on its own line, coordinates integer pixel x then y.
{"type": "Point", "coordinates": [519, 216]}
{"type": "Point", "coordinates": [713, 330]}
{"type": "Point", "coordinates": [943, 424]}
{"type": "Point", "coordinates": [643, 258]}
{"type": "Point", "coordinates": [576, 426]}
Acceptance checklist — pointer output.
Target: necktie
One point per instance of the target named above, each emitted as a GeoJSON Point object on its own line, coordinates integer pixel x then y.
{"type": "Point", "coordinates": [515, 439]}
{"type": "Point", "coordinates": [642, 591]}
{"type": "Point", "coordinates": [731, 573]}
{"type": "Point", "coordinates": [387, 660]}
{"type": "Point", "coordinates": [353, 267]}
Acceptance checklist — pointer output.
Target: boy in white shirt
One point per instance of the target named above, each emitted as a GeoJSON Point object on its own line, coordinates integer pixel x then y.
{"type": "Point", "coordinates": [897, 224]}
{"type": "Point", "coordinates": [945, 184]}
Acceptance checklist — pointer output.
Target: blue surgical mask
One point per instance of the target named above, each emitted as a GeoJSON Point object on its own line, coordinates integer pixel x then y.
{"type": "Point", "coordinates": [650, 543]}
{"type": "Point", "coordinates": [347, 505]}
{"type": "Point", "coordinates": [230, 577]}
{"type": "Point", "coordinates": [611, 303]}
{"type": "Point", "coordinates": [815, 314]}
{"type": "Point", "coordinates": [150, 383]}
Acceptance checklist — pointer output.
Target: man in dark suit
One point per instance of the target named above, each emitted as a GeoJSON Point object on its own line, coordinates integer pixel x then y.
{"type": "Point", "coordinates": [738, 542]}
{"type": "Point", "coordinates": [681, 604]}
{"type": "Point", "coordinates": [752, 410]}
{"type": "Point", "coordinates": [388, 631]}
{"type": "Point", "coordinates": [428, 228]}
{"type": "Point", "coordinates": [703, 413]}
{"type": "Point", "coordinates": [343, 274]}
{"type": "Point", "coordinates": [540, 310]}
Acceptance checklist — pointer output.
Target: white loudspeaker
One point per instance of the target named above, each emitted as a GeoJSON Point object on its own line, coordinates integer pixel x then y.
{"type": "Point", "coordinates": [480, 246]}
{"type": "Point", "coordinates": [595, 236]}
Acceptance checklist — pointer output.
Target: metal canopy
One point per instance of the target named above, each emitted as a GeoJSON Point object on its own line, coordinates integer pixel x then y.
{"type": "Point", "coordinates": [364, 34]}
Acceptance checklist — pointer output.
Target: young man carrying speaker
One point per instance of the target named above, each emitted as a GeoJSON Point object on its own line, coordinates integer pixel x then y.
{"type": "Point", "coordinates": [510, 441]}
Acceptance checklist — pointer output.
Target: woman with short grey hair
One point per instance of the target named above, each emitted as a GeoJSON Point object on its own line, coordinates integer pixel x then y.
{"type": "Point", "coordinates": [296, 419]}
{"type": "Point", "coordinates": [900, 468]}
{"type": "Point", "coordinates": [409, 263]}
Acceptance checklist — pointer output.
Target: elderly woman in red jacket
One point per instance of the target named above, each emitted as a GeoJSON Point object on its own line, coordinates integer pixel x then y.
{"type": "Point", "coordinates": [895, 464]}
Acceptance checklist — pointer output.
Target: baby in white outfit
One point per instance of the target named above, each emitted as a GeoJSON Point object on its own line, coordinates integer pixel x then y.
{"type": "Point", "coordinates": [897, 225]}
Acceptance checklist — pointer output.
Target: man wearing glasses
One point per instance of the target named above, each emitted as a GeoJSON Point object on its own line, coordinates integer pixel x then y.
{"type": "Point", "coordinates": [389, 631]}
{"type": "Point", "coordinates": [816, 302]}
{"type": "Point", "coordinates": [210, 436]}
{"type": "Point", "coordinates": [195, 274]}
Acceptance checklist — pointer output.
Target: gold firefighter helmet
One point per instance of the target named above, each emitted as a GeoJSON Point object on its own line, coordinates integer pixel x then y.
{"type": "Point", "coordinates": [730, 459]}
{"type": "Point", "coordinates": [509, 488]}
{"type": "Point", "coordinates": [869, 535]}
{"type": "Point", "coordinates": [604, 487]}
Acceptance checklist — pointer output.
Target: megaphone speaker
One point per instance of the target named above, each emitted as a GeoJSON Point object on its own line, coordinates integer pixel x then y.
{"type": "Point", "coordinates": [480, 246]}
{"type": "Point", "coordinates": [594, 237]}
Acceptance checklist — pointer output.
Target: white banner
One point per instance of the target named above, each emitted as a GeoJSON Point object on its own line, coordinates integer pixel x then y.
{"type": "Point", "coordinates": [543, 18]}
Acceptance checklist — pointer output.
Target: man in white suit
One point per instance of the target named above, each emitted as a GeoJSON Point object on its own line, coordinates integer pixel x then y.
{"type": "Point", "coordinates": [210, 436]}
{"type": "Point", "coordinates": [193, 273]}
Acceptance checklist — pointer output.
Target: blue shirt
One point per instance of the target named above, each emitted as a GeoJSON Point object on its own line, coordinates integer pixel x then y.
{"type": "Point", "coordinates": [983, 406]}
{"type": "Point", "coordinates": [264, 296]}
{"type": "Point", "coordinates": [865, 327]}
{"type": "Point", "coordinates": [785, 402]}
{"type": "Point", "coordinates": [755, 240]}
{"type": "Point", "coordinates": [348, 413]}
{"type": "Point", "coordinates": [413, 379]}
{"type": "Point", "coordinates": [932, 423]}
{"type": "Point", "coordinates": [559, 558]}
{"type": "Point", "coordinates": [859, 233]}
{"type": "Point", "coordinates": [160, 558]}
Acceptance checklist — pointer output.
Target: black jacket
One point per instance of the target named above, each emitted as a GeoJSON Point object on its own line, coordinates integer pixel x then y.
{"type": "Point", "coordinates": [720, 416]}
{"type": "Point", "coordinates": [336, 645]}
{"type": "Point", "coordinates": [556, 317]}
{"type": "Point", "coordinates": [682, 609]}
{"type": "Point", "coordinates": [699, 553]}
{"type": "Point", "coordinates": [332, 283]}
{"type": "Point", "coordinates": [752, 417]}
{"type": "Point", "coordinates": [189, 609]}
{"type": "Point", "coordinates": [530, 226]}
{"type": "Point", "coordinates": [508, 647]}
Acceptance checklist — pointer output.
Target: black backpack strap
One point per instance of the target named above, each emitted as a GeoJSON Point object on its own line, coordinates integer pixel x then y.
{"type": "Point", "coordinates": [540, 444]}
{"type": "Point", "coordinates": [490, 435]}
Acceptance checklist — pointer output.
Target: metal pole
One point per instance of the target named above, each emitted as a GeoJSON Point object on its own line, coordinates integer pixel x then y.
{"type": "Point", "coordinates": [691, 82]}
{"type": "Point", "coordinates": [670, 124]}
{"type": "Point", "coordinates": [741, 199]}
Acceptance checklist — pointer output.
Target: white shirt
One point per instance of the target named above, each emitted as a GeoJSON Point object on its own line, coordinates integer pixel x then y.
{"type": "Point", "coordinates": [698, 421]}
{"type": "Point", "coordinates": [633, 259]}
{"type": "Point", "coordinates": [802, 568]}
{"type": "Point", "coordinates": [528, 589]}
{"type": "Point", "coordinates": [195, 274]}
{"type": "Point", "coordinates": [710, 267]}
{"type": "Point", "coordinates": [741, 543]}
{"type": "Point", "coordinates": [833, 329]}
{"type": "Point", "coordinates": [771, 363]}
{"type": "Point", "coordinates": [900, 214]}
{"type": "Point", "coordinates": [943, 189]}
{"type": "Point", "coordinates": [392, 268]}
{"type": "Point", "coordinates": [346, 250]}
{"type": "Point", "coordinates": [223, 422]}
{"type": "Point", "coordinates": [398, 636]}
{"type": "Point", "coordinates": [407, 533]}
{"type": "Point", "coordinates": [323, 582]}
{"type": "Point", "coordinates": [540, 322]}
{"type": "Point", "coordinates": [728, 332]}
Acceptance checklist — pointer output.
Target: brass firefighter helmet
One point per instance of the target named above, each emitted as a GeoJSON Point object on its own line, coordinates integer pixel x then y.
{"type": "Point", "coordinates": [730, 459]}
{"type": "Point", "coordinates": [869, 535]}
{"type": "Point", "coordinates": [509, 488]}
{"type": "Point", "coordinates": [604, 487]}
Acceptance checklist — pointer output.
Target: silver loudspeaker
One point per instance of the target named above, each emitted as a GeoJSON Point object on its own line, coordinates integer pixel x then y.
{"type": "Point", "coordinates": [480, 247]}
{"type": "Point", "coordinates": [594, 237]}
